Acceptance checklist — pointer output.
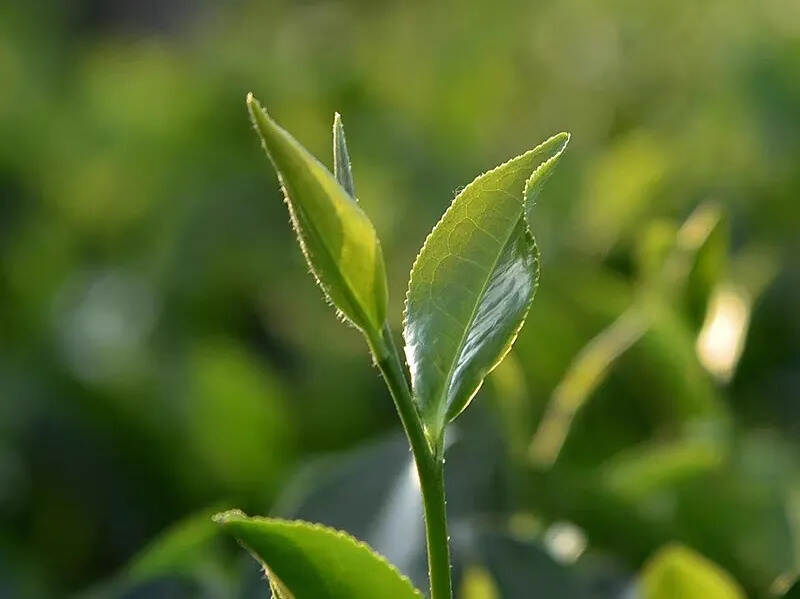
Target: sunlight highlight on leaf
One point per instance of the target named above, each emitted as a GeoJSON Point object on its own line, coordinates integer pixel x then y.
{"type": "Point", "coordinates": [472, 284]}
{"type": "Point", "coordinates": [721, 340]}
{"type": "Point", "coordinates": [311, 561]}
{"type": "Point", "coordinates": [336, 236]}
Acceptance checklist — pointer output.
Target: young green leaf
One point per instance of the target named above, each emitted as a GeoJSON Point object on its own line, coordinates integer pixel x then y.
{"type": "Point", "coordinates": [337, 238]}
{"type": "Point", "coordinates": [677, 572]}
{"type": "Point", "coordinates": [310, 561]}
{"type": "Point", "coordinates": [341, 157]}
{"type": "Point", "coordinates": [472, 284]}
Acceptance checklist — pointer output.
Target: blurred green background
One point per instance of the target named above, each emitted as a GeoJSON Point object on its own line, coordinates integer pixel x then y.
{"type": "Point", "coordinates": [164, 352]}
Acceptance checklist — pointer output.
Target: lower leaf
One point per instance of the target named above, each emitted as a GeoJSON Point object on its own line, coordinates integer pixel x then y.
{"type": "Point", "coordinates": [310, 561]}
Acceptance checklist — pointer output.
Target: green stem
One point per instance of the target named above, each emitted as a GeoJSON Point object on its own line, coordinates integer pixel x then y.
{"type": "Point", "coordinates": [433, 497]}
{"type": "Point", "coordinates": [429, 462]}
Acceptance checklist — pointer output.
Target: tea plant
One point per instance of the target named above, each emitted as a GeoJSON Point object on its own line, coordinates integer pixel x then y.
{"type": "Point", "coordinates": [469, 292]}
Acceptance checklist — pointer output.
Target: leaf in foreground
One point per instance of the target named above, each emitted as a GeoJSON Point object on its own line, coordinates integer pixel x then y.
{"type": "Point", "coordinates": [310, 561]}
{"type": "Point", "coordinates": [472, 284]}
{"type": "Point", "coordinates": [336, 236]}
{"type": "Point", "coordinates": [677, 572]}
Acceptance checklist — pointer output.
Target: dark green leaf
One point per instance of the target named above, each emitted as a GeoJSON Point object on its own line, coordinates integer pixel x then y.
{"type": "Point", "coordinates": [793, 592]}
{"type": "Point", "coordinates": [181, 562]}
{"type": "Point", "coordinates": [310, 561]}
{"type": "Point", "coordinates": [177, 550]}
{"type": "Point", "coordinates": [337, 238]}
{"type": "Point", "coordinates": [472, 284]}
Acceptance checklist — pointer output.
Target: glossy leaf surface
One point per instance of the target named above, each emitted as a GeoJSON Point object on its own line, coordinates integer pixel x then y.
{"type": "Point", "coordinates": [677, 572]}
{"type": "Point", "coordinates": [472, 284]}
{"type": "Point", "coordinates": [337, 238]}
{"type": "Point", "coordinates": [310, 561]}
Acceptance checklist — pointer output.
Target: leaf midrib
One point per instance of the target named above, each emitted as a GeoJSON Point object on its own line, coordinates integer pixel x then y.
{"type": "Point", "coordinates": [468, 327]}
{"type": "Point", "coordinates": [351, 296]}
{"type": "Point", "coordinates": [298, 207]}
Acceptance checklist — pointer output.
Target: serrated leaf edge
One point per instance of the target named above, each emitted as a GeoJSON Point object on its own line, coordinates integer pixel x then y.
{"type": "Point", "coordinates": [544, 165]}
{"type": "Point", "coordinates": [229, 516]}
{"type": "Point", "coordinates": [547, 164]}
{"type": "Point", "coordinates": [252, 105]}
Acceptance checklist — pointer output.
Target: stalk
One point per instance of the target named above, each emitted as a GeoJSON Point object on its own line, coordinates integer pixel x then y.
{"type": "Point", "coordinates": [429, 462]}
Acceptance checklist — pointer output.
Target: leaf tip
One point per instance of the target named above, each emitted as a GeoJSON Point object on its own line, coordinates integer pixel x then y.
{"type": "Point", "coordinates": [542, 172]}
{"type": "Point", "coordinates": [256, 110]}
{"type": "Point", "coordinates": [252, 103]}
{"type": "Point", "coordinates": [562, 139]}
